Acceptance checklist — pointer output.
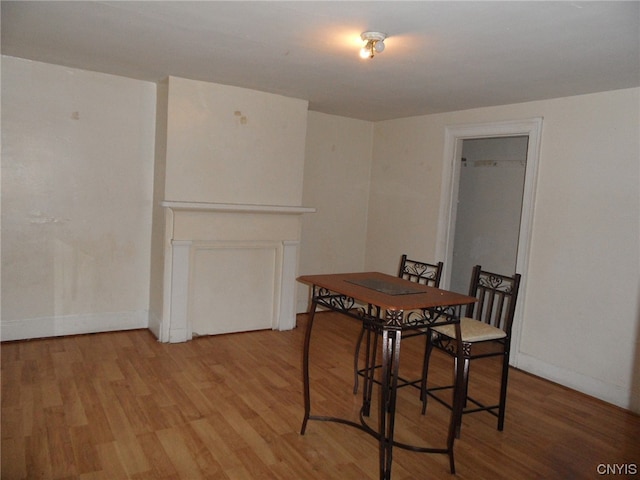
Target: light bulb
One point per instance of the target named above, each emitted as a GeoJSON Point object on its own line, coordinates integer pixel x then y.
{"type": "Point", "coordinates": [379, 46]}
{"type": "Point", "coordinates": [365, 52]}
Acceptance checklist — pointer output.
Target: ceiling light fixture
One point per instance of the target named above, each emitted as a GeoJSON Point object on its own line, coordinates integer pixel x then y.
{"type": "Point", "coordinates": [375, 43]}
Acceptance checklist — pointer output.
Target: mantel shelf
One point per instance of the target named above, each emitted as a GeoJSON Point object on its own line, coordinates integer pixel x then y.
{"type": "Point", "coordinates": [236, 208]}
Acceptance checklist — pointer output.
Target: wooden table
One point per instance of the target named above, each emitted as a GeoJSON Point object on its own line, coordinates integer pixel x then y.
{"type": "Point", "coordinates": [387, 305]}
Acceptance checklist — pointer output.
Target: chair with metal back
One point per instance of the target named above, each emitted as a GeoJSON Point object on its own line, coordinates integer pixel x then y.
{"type": "Point", "coordinates": [486, 332]}
{"type": "Point", "coordinates": [414, 271]}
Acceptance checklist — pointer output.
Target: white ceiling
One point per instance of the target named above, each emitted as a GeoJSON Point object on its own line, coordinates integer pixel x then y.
{"type": "Point", "coordinates": [440, 56]}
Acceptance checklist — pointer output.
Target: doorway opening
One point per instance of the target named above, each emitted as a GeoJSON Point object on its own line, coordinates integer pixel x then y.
{"type": "Point", "coordinates": [454, 142]}
{"type": "Point", "coordinates": [489, 207]}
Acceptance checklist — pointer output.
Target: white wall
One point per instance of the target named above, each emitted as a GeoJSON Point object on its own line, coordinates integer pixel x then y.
{"type": "Point", "coordinates": [336, 182]}
{"type": "Point", "coordinates": [405, 192]}
{"type": "Point", "coordinates": [580, 308]}
{"type": "Point", "coordinates": [77, 165]}
{"type": "Point", "coordinates": [233, 145]}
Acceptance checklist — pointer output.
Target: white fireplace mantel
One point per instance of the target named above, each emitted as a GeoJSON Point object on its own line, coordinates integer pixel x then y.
{"type": "Point", "coordinates": [229, 267]}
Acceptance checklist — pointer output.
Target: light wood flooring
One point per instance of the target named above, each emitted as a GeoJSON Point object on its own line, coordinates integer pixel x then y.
{"type": "Point", "coordinates": [121, 405]}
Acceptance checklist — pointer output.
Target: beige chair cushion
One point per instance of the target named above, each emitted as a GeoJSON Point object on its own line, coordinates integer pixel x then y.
{"type": "Point", "coordinates": [472, 331]}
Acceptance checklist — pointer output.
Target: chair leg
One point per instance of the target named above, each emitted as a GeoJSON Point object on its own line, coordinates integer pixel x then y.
{"type": "Point", "coordinates": [465, 383]}
{"type": "Point", "coordinates": [465, 391]}
{"type": "Point", "coordinates": [355, 360]}
{"type": "Point", "coordinates": [428, 348]}
{"type": "Point", "coordinates": [503, 390]}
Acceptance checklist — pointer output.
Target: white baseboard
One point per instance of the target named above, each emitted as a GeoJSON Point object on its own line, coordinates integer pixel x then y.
{"type": "Point", "coordinates": [607, 392]}
{"type": "Point", "coordinates": [72, 325]}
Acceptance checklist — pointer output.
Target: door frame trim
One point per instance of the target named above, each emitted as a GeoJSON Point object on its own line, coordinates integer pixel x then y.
{"type": "Point", "coordinates": [454, 136]}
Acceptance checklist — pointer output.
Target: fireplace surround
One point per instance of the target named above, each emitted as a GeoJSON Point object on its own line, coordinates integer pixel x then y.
{"type": "Point", "coordinates": [229, 268]}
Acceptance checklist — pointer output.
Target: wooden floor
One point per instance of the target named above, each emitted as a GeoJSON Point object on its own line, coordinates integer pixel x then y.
{"type": "Point", "coordinates": [121, 405]}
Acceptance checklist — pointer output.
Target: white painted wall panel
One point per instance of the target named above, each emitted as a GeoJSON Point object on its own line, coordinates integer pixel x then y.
{"type": "Point", "coordinates": [233, 145]}
{"type": "Point", "coordinates": [77, 166]}
{"type": "Point", "coordinates": [234, 287]}
{"type": "Point", "coordinates": [336, 181]}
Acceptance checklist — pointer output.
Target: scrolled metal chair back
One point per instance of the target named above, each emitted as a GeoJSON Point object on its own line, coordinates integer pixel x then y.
{"type": "Point", "coordinates": [420, 272]}
{"type": "Point", "coordinates": [497, 295]}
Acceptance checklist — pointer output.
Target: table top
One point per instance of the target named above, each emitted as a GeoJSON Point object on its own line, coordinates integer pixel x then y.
{"type": "Point", "coordinates": [386, 291]}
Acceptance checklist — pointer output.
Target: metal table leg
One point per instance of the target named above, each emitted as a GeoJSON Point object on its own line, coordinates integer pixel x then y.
{"type": "Point", "coordinates": [391, 337]}
{"type": "Point", "coordinates": [390, 327]}
{"type": "Point", "coordinates": [305, 367]}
